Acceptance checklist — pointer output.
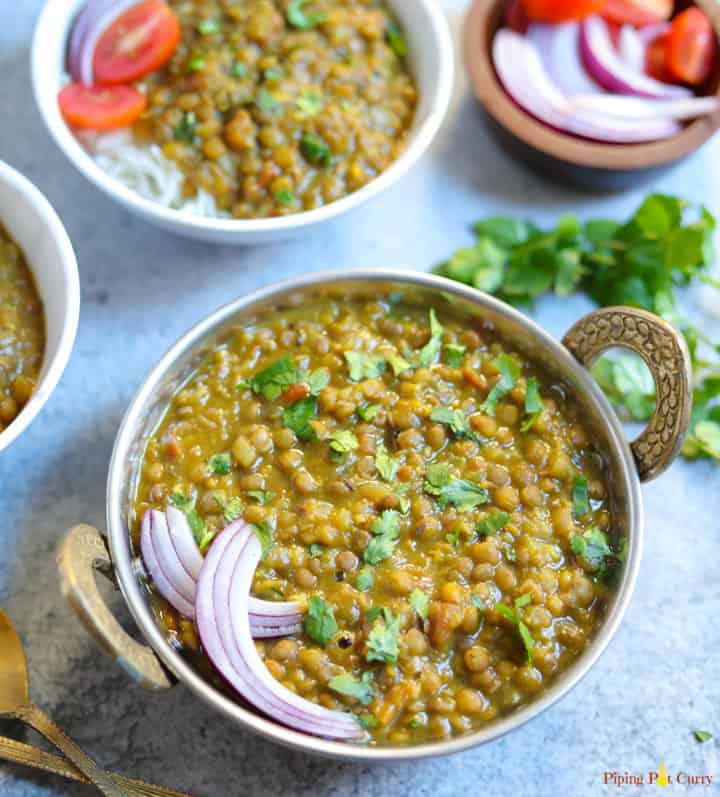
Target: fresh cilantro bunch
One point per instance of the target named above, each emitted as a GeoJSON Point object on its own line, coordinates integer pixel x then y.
{"type": "Point", "coordinates": [666, 244]}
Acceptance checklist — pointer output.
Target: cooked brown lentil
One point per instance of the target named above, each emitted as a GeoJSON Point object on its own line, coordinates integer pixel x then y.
{"type": "Point", "coordinates": [460, 662]}
{"type": "Point", "coordinates": [272, 118]}
{"type": "Point", "coordinates": [22, 331]}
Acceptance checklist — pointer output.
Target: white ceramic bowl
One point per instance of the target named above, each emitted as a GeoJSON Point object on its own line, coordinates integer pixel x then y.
{"type": "Point", "coordinates": [35, 227]}
{"type": "Point", "coordinates": [431, 61]}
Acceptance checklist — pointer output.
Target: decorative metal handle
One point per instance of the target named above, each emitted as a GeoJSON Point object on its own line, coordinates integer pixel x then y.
{"type": "Point", "coordinates": [664, 350]}
{"type": "Point", "coordinates": [81, 553]}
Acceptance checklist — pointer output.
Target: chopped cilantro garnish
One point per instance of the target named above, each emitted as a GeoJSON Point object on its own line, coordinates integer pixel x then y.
{"type": "Point", "coordinates": [364, 366]}
{"type": "Point", "coordinates": [702, 736]}
{"type": "Point", "coordinates": [361, 689]}
{"type": "Point", "coordinates": [492, 524]}
{"type": "Point", "coordinates": [274, 73]}
{"type": "Point", "coordinates": [320, 624]}
{"type": "Point", "coordinates": [453, 538]}
{"type": "Point", "coordinates": [220, 464]}
{"type": "Point", "coordinates": [382, 640]}
{"type": "Point", "coordinates": [523, 630]}
{"type": "Point", "coordinates": [267, 101]}
{"type": "Point", "coordinates": [533, 404]}
{"type": "Point", "coordinates": [284, 197]}
{"type": "Point", "coordinates": [400, 492]}
{"type": "Point", "coordinates": [581, 502]}
{"type": "Point", "coordinates": [369, 412]}
{"type": "Point", "coordinates": [385, 465]}
{"type": "Point", "coordinates": [231, 509]}
{"type": "Point", "coordinates": [523, 601]}
{"type": "Point", "coordinates": [386, 530]}
{"type": "Point", "coordinates": [263, 497]}
{"type": "Point", "coordinates": [316, 380]}
{"type": "Point", "coordinates": [372, 614]}
{"type": "Point", "coordinates": [396, 39]}
{"type": "Point", "coordinates": [187, 507]}
{"type": "Point", "coordinates": [343, 441]}
{"type": "Point", "coordinates": [368, 721]}
{"type": "Point", "coordinates": [238, 69]}
{"type": "Point", "coordinates": [298, 416]}
{"type": "Point", "coordinates": [509, 374]}
{"type": "Point", "coordinates": [462, 494]}
{"type": "Point", "coordinates": [185, 128]}
{"type": "Point", "coordinates": [420, 601]}
{"type": "Point", "coordinates": [398, 364]}
{"type": "Point", "coordinates": [196, 64]}
{"type": "Point", "coordinates": [454, 354]}
{"type": "Point", "coordinates": [301, 19]}
{"type": "Point", "coordinates": [309, 103]}
{"type": "Point", "coordinates": [272, 381]}
{"type": "Point", "coordinates": [208, 27]}
{"type": "Point", "coordinates": [315, 150]}
{"type": "Point", "coordinates": [456, 420]}
{"type": "Point", "coordinates": [364, 580]}
{"type": "Point", "coordinates": [264, 533]}
{"type": "Point", "coordinates": [592, 545]}
{"type": "Point", "coordinates": [316, 550]}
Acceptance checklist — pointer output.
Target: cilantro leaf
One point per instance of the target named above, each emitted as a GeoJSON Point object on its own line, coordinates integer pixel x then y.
{"type": "Point", "coordinates": [581, 501]}
{"type": "Point", "coordinates": [263, 497]}
{"type": "Point", "coordinates": [460, 493]}
{"type": "Point", "coordinates": [187, 507]}
{"type": "Point", "coordinates": [509, 375]}
{"type": "Point", "coordinates": [267, 102]}
{"type": "Point", "coordinates": [361, 689]}
{"type": "Point", "coordinates": [385, 465]}
{"type": "Point", "coordinates": [523, 630]}
{"type": "Point", "coordinates": [702, 736]}
{"type": "Point", "coordinates": [592, 546]}
{"type": "Point", "coordinates": [420, 601]}
{"type": "Point", "coordinates": [453, 538]}
{"type": "Point", "coordinates": [298, 416]}
{"type": "Point", "coordinates": [398, 364]}
{"type": "Point", "coordinates": [343, 441]}
{"type": "Point", "coordinates": [364, 580]}
{"type": "Point", "coordinates": [220, 464]}
{"type": "Point", "coordinates": [315, 150]}
{"type": "Point", "coordinates": [364, 366]}
{"type": "Point", "coordinates": [369, 412]}
{"type": "Point", "coordinates": [456, 420]}
{"type": "Point", "coordinates": [185, 128]}
{"type": "Point", "coordinates": [231, 509]}
{"type": "Point", "coordinates": [309, 103]}
{"type": "Point", "coordinates": [368, 721]}
{"type": "Point", "coordinates": [207, 27]}
{"type": "Point", "coordinates": [454, 354]}
{"type": "Point", "coordinates": [437, 476]}
{"type": "Point", "coordinates": [320, 624]}
{"type": "Point", "coordinates": [533, 404]}
{"type": "Point", "coordinates": [382, 642]}
{"type": "Point", "coordinates": [284, 197]}
{"type": "Point", "coordinates": [272, 381]}
{"type": "Point", "coordinates": [386, 530]}
{"type": "Point", "coordinates": [492, 524]}
{"type": "Point", "coordinates": [396, 39]}
{"type": "Point", "coordinates": [316, 550]}
{"type": "Point", "coordinates": [264, 533]}
{"type": "Point", "coordinates": [301, 19]}
{"type": "Point", "coordinates": [430, 351]}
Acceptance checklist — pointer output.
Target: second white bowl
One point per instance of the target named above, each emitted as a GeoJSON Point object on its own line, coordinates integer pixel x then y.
{"type": "Point", "coordinates": [431, 61]}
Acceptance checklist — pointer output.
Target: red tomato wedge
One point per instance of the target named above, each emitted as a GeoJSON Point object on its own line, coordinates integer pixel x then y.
{"type": "Point", "coordinates": [656, 59]}
{"type": "Point", "coordinates": [637, 12]}
{"type": "Point", "coordinates": [101, 107]}
{"type": "Point", "coordinates": [561, 10]}
{"type": "Point", "coordinates": [691, 47]}
{"type": "Point", "coordinates": [139, 41]}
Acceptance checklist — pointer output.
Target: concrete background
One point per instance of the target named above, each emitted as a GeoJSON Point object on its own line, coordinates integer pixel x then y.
{"type": "Point", "coordinates": [141, 289]}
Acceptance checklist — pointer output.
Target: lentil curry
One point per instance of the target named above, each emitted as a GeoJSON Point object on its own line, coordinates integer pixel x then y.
{"type": "Point", "coordinates": [279, 106]}
{"type": "Point", "coordinates": [429, 494]}
{"type": "Point", "coordinates": [22, 331]}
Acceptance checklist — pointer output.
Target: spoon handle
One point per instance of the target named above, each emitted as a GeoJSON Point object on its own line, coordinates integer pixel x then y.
{"type": "Point", "coordinates": [34, 717]}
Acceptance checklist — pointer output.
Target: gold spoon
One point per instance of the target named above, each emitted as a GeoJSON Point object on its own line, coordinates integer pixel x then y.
{"type": "Point", "coordinates": [15, 702]}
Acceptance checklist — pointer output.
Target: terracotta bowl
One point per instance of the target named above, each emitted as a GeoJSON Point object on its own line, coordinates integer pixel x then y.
{"type": "Point", "coordinates": [587, 163]}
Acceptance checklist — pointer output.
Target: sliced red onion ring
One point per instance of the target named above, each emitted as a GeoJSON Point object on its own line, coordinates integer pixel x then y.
{"type": "Point", "coordinates": [525, 79]}
{"type": "Point", "coordinates": [631, 48]}
{"type": "Point", "coordinates": [559, 49]}
{"type": "Point", "coordinates": [641, 109]}
{"type": "Point", "coordinates": [222, 607]}
{"type": "Point", "coordinates": [95, 18]}
{"type": "Point", "coordinates": [605, 65]}
{"type": "Point", "coordinates": [170, 544]}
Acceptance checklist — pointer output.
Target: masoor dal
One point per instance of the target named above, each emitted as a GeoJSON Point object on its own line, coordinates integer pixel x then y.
{"type": "Point", "coordinates": [424, 484]}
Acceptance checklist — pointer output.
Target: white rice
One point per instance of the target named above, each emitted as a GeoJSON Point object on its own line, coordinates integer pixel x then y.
{"type": "Point", "coordinates": [147, 171]}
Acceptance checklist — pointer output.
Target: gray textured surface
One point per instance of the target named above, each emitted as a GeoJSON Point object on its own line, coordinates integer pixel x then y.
{"type": "Point", "coordinates": [141, 289]}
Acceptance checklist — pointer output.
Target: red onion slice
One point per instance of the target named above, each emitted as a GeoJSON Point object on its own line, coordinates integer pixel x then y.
{"type": "Point", "coordinates": [631, 48]}
{"type": "Point", "coordinates": [605, 65]}
{"type": "Point", "coordinates": [225, 634]}
{"type": "Point", "coordinates": [525, 79]}
{"type": "Point", "coordinates": [173, 548]}
{"type": "Point", "coordinates": [95, 18]}
{"type": "Point", "coordinates": [639, 108]}
{"type": "Point", "coordinates": [160, 580]}
{"type": "Point", "coordinates": [559, 49]}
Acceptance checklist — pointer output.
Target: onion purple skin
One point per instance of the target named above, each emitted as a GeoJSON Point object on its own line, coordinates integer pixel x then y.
{"type": "Point", "coordinates": [225, 635]}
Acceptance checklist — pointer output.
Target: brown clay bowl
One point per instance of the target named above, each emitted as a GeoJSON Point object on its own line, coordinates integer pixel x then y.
{"type": "Point", "coordinates": [587, 163]}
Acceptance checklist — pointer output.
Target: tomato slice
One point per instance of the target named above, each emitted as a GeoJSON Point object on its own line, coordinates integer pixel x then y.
{"type": "Point", "coordinates": [656, 59]}
{"type": "Point", "coordinates": [139, 41]}
{"type": "Point", "coordinates": [101, 107]}
{"type": "Point", "coordinates": [561, 10]}
{"type": "Point", "coordinates": [691, 47]}
{"type": "Point", "coordinates": [637, 12]}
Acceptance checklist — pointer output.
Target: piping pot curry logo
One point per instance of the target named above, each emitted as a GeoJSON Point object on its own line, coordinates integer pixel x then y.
{"type": "Point", "coordinates": [660, 778]}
